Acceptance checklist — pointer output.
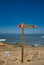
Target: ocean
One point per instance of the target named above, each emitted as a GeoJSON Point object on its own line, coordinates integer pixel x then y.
{"type": "Point", "coordinates": [32, 39]}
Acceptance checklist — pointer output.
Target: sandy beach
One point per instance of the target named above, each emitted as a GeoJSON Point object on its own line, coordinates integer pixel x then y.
{"type": "Point", "coordinates": [11, 55]}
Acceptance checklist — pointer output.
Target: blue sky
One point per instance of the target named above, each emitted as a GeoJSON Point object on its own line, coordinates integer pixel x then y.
{"type": "Point", "coordinates": [14, 12]}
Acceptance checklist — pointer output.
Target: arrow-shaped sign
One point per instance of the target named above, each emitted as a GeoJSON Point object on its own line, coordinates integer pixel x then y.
{"type": "Point", "coordinates": [29, 26]}
{"type": "Point", "coordinates": [26, 26]}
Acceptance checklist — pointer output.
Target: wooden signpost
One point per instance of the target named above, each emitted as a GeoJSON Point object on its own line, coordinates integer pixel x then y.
{"type": "Point", "coordinates": [24, 26]}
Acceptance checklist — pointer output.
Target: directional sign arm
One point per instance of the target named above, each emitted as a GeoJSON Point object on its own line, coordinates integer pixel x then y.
{"type": "Point", "coordinates": [29, 26]}
{"type": "Point", "coordinates": [26, 26]}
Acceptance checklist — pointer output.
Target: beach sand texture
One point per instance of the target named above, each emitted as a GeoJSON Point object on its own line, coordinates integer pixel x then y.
{"type": "Point", "coordinates": [11, 55]}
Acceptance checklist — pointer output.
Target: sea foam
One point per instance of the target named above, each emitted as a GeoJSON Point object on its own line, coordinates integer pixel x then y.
{"type": "Point", "coordinates": [2, 39]}
{"type": "Point", "coordinates": [42, 36]}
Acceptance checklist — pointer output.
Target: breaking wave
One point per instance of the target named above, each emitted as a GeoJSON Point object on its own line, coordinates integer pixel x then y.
{"type": "Point", "coordinates": [42, 36]}
{"type": "Point", "coordinates": [2, 39]}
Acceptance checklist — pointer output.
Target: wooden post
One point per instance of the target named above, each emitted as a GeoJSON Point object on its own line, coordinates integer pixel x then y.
{"type": "Point", "coordinates": [22, 59]}
{"type": "Point", "coordinates": [24, 26]}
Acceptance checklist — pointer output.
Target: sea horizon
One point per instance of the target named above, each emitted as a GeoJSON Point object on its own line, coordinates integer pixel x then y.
{"type": "Point", "coordinates": [32, 39]}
